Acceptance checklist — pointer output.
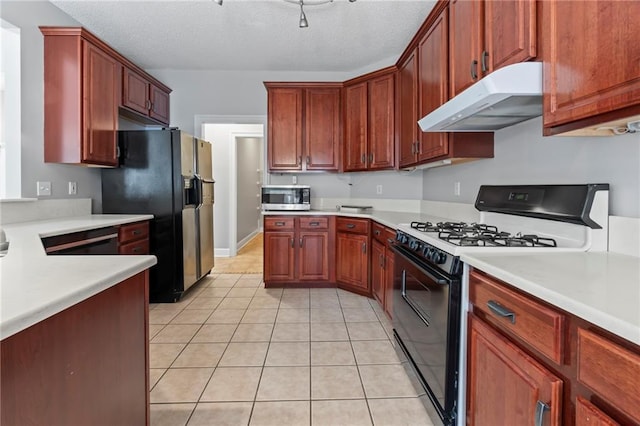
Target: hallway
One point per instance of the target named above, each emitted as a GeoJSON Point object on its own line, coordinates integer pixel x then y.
{"type": "Point", "coordinates": [247, 261]}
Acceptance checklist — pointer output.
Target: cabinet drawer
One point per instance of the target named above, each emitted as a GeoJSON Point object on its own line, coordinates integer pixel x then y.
{"type": "Point", "coordinates": [537, 325]}
{"type": "Point", "coordinates": [358, 226]}
{"type": "Point", "coordinates": [589, 414]}
{"type": "Point", "coordinates": [133, 231]}
{"type": "Point", "coordinates": [611, 371]}
{"type": "Point", "coordinates": [379, 232]}
{"type": "Point", "coordinates": [278, 223]}
{"type": "Point", "coordinates": [135, 247]}
{"type": "Point", "coordinates": [314, 222]}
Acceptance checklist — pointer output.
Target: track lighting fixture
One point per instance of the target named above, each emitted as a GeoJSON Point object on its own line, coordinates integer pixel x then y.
{"type": "Point", "coordinates": [303, 17]}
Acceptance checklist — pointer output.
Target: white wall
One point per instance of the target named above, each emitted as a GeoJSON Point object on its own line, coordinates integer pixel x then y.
{"type": "Point", "coordinates": [10, 177]}
{"type": "Point", "coordinates": [523, 156]}
{"type": "Point", "coordinates": [28, 15]}
{"type": "Point", "coordinates": [249, 177]}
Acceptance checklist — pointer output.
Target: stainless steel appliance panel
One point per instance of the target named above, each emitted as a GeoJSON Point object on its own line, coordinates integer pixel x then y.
{"type": "Point", "coordinates": [187, 155]}
{"type": "Point", "coordinates": [189, 247]}
{"type": "Point", "coordinates": [205, 219]}
{"type": "Point", "coordinates": [204, 167]}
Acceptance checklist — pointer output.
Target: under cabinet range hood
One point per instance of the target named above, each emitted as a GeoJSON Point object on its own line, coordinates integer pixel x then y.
{"type": "Point", "coordinates": [505, 97]}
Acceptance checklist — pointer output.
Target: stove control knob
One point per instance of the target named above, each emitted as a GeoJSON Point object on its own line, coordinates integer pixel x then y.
{"type": "Point", "coordinates": [402, 238]}
{"type": "Point", "coordinates": [414, 245]}
{"type": "Point", "coordinates": [440, 258]}
{"type": "Point", "coordinates": [425, 251]}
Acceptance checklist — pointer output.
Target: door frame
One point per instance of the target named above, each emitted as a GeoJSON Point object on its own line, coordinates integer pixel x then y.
{"type": "Point", "coordinates": [200, 121]}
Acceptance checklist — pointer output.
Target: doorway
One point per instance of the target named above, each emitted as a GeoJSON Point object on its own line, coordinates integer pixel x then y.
{"type": "Point", "coordinates": [239, 170]}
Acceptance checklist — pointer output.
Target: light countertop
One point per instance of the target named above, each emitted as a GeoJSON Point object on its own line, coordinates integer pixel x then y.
{"type": "Point", "coordinates": [600, 287]}
{"type": "Point", "coordinates": [34, 286]}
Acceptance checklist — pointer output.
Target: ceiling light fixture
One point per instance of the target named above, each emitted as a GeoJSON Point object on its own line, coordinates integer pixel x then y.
{"type": "Point", "coordinates": [303, 18]}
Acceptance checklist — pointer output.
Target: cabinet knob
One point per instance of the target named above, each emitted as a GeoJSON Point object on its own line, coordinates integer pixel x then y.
{"type": "Point", "coordinates": [377, 232]}
{"type": "Point", "coordinates": [483, 61]}
{"type": "Point", "coordinates": [279, 223]}
{"type": "Point", "coordinates": [350, 226]}
{"type": "Point", "coordinates": [314, 223]}
{"type": "Point", "coordinates": [474, 72]}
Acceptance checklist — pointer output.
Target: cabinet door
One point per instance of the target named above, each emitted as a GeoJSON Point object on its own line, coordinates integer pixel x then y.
{"type": "Point", "coordinates": [284, 145]}
{"type": "Point", "coordinates": [510, 33]}
{"type": "Point", "coordinates": [589, 414]}
{"type": "Point", "coordinates": [505, 385]}
{"type": "Point", "coordinates": [465, 41]}
{"type": "Point", "coordinates": [432, 86]}
{"type": "Point", "coordinates": [407, 110]}
{"type": "Point", "coordinates": [313, 259]}
{"type": "Point", "coordinates": [355, 127]}
{"type": "Point", "coordinates": [279, 260]}
{"type": "Point", "coordinates": [591, 68]}
{"type": "Point", "coordinates": [135, 91]}
{"type": "Point", "coordinates": [381, 123]}
{"type": "Point", "coordinates": [322, 129]}
{"type": "Point", "coordinates": [352, 260]}
{"type": "Point", "coordinates": [377, 271]}
{"type": "Point", "coordinates": [100, 86]}
{"type": "Point", "coordinates": [159, 104]}
{"type": "Point", "coordinates": [389, 262]}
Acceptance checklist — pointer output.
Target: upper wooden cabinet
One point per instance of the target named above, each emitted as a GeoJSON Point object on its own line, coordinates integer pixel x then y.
{"type": "Point", "coordinates": [369, 122]}
{"type": "Point", "coordinates": [312, 110]}
{"type": "Point", "coordinates": [83, 85]}
{"type": "Point", "coordinates": [144, 97]}
{"type": "Point", "coordinates": [486, 35]}
{"type": "Point", "coordinates": [592, 74]}
{"type": "Point", "coordinates": [407, 109]}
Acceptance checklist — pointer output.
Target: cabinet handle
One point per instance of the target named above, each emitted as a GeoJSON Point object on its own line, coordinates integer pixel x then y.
{"type": "Point", "coordinates": [136, 249]}
{"type": "Point", "coordinates": [371, 158]}
{"type": "Point", "coordinates": [377, 232]}
{"type": "Point", "coordinates": [136, 232]}
{"type": "Point", "coordinates": [418, 147]}
{"type": "Point", "coordinates": [279, 223]}
{"type": "Point", "coordinates": [314, 223]}
{"type": "Point", "coordinates": [308, 160]}
{"type": "Point", "coordinates": [500, 310]}
{"type": "Point", "coordinates": [483, 61]}
{"type": "Point", "coordinates": [151, 106]}
{"type": "Point", "coordinates": [413, 147]}
{"type": "Point", "coordinates": [364, 247]}
{"type": "Point", "coordinates": [541, 407]}
{"type": "Point", "coordinates": [293, 242]}
{"type": "Point", "coordinates": [363, 159]}
{"type": "Point", "coordinates": [299, 160]}
{"type": "Point", "coordinates": [474, 73]}
{"type": "Point", "coordinates": [301, 242]}
{"type": "Point", "coordinates": [381, 261]}
{"type": "Point", "coordinates": [350, 226]}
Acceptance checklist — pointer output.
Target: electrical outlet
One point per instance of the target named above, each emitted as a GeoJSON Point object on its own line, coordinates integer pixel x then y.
{"type": "Point", "coordinates": [73, 188]}
{"type": "Point", "coordinates": [43, 189]}
{"type": "Point", "coordinates": [294, 178]}
{"type": "Point", "coordinates": [378, 189]}
{"type": "Point", "coordinates": [456, 189]}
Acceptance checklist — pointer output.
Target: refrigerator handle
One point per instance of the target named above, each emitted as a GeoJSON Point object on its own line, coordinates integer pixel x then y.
{"type": "Point", "coordinates": [197, 183]}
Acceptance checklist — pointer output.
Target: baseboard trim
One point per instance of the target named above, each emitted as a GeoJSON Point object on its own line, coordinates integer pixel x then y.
{"type": "Point", "coordinates": [246, 239]}
{"type": "Point", "coordinates": [221, 252]}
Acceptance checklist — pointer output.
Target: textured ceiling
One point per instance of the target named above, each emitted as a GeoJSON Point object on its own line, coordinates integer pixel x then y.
{"type": "Point", "coordinates": [252, 34]}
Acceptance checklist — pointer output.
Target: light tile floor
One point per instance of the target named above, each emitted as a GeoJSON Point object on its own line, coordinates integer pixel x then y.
{"type": "Point", "coordinates": [234, 353]}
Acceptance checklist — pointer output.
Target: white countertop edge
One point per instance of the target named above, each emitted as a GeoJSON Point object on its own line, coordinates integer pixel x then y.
{"type": "Point", "coordinates": [104, 221]}
{"type": "Point", "coordinates": [601, 319]}
{"type": "Point", "coordinates": [27, 318]}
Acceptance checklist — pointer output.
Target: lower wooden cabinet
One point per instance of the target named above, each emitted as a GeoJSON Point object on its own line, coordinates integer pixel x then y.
{"type": "Point", "coordinates": [133, 238]}
{"type": "Point", "coordinates": [382, 262]}
{"type": "Point", "coordinates": [507, 386]}
{"type": "Point", "coordinates": [298, 249]}
{"type": "Point", "coordinates": [352, 254]}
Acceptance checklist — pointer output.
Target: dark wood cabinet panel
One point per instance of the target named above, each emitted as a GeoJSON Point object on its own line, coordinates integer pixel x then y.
{"type": "Point", "coordinates": [381, 147]}
{"type": "Point", "coordinates": [279, 256]}
{"type": "Point", "coordinates": [355, 127]}
{"type": "Point", "coordinates": [589, 414]}
{"type": "Point", "coordinates": [313, 264]}
{"type": "Point", "coordinates": [591, 73]}
{"type": "Point", "coordinates": [87, 365]}
{"type": "Point", "coordinates": [285, 129]}
{"type": "Point", "coordinates": [352, 260]}
{"type": "Point", "coordinates": [133, 238]}
{"type": "Point", "coordinates": [322, 129]}
{"type": "Point", "coordinates": [432, 86]}
{"type": "Point", "coordinates": [159, 104]}
{"type": "Point", "coordinates": [509, 33]}
{"type": "Point", "coordinates": [505, 385]}
{"type": "Point", "coordinates": [135, 91]}
{"type": "Point", "coordinates": [407, 110]}
{"type": "Point", "coordinates": [465, 43]}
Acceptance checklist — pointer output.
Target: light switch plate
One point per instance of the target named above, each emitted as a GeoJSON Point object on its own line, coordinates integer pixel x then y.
{"type": "Point", "coordinates": [44, 188]}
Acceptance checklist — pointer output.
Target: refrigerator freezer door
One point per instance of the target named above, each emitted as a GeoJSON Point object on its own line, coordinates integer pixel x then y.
{"type": "Point", "coordinates": [204, 167]}
{"type": "Point", "coordinates": [205, 219]}
{"type": "Point", "coordinates": [189, 245]}
{"type": "Point", "coordinates": [187, 159]}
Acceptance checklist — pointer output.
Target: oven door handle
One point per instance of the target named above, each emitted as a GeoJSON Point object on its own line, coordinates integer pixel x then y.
{"type": "Point", "coordinates": [423, 268]}
{"type": "Point", "coordinates": [415, 309]}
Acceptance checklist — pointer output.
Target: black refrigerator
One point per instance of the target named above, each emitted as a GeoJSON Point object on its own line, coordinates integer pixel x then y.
{"type": "Point", "coordinates": [167, 173]}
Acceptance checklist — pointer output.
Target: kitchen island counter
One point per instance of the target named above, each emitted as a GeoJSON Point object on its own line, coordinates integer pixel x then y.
{"type": "Point", "coordinates": [35, 286]}
{"type": "Point", "coordinates": [600, 287]}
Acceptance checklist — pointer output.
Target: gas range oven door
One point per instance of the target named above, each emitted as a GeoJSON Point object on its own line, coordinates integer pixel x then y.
{"type": "Point", "coordinates": [426, 322]}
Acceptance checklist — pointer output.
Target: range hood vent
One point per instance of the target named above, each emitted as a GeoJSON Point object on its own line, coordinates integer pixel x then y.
{"type": "Point", "coordinates": [507, 96]}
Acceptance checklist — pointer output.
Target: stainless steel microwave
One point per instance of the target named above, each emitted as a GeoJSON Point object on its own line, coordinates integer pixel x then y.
{"type": "Point", "coordinates": [286, 197]}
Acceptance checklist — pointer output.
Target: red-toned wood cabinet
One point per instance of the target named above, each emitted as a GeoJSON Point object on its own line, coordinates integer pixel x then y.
{"type": "Point", "coordinates": [407, 109]}
{"type": "Point", "coordinates": [144, 97]}
{"type": "Point", "coordinates": [86, 365]}
{"type": "Point", "coordinates": [486, 35]}
{"type": "Point", "coordinates": [298, 249]}
{"type": "Point", "coordinates": [133, 238]}
{"type": "Point", "coordinates": [304, 126]}
{"type": "Point", "coordinates": [81, 87]}
{"type": "Point", "coordinates": [352, 254]}
{"type": "Point", "coordinates": [592, 76]}
{"type": "Point", "coordinates": [382, 262]}
{"type": "Point", "coordinates": [369, 121]}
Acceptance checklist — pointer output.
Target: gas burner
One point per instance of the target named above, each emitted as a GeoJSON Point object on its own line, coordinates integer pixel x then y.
{"type": "Point", "coordinates": [529, 240]}
{"type": "Point", "coordinates": [424, 226]}
{"type": "Point", "coordinates": [494, 239]}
